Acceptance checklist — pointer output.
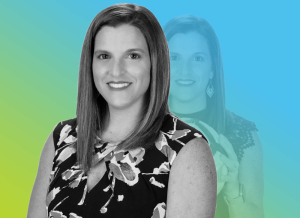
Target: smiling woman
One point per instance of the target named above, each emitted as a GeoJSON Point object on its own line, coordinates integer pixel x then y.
{"type": "Point", "coordinates": [125, 154]}
{"type": "Point", "coordinates": [121, 66]}
{"type": "Point", "coordinates": [198, 97]}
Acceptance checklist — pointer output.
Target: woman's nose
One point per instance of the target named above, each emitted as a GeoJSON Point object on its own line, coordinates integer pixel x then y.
{"type": "Point", "coordinates": [184, 68]}
{"type": "Point", "coordinates": [117, 68]}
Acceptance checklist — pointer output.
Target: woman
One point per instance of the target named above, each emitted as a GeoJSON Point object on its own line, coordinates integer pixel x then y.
{"type": "Point", "coordinates": [124, 154]}
{"type": "Point", "coordinates": [197, 96]}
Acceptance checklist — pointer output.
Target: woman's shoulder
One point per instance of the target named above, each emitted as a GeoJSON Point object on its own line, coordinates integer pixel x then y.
{"type": "Point", "coordinates": [235, 122]}
{"type": "Point", "coordinates": [177, 133]}
{"type": "Point", "coordinates": [177, 137]}
{"type": "Point", "coordinates": [194, 162]}
{"type": "Point", "coordinates": [239, 132]}
{"type": "Point", "coordinates": [63, 131]}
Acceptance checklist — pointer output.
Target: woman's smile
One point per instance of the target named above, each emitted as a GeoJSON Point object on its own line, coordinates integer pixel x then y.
{"type": "Point", "coordinates": [185, 82]}
{"type": "Point", "coordinates": [118, 85]}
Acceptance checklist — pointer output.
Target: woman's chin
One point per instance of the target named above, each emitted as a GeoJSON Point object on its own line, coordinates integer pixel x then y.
{"type": "Point", "coordinates": [119, 105]}
{"type": "Point", "coordinates": [123, 104]}
{"type": "Point", "coordinates": [183, 96]}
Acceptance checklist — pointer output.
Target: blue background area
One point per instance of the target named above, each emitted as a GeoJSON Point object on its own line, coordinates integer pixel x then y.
{"type": "Point", "coordinates": [40, 50]}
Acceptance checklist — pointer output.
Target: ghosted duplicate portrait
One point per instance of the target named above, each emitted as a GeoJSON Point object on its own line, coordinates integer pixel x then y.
{"type": "Point", "coordinates": [125, 154]}
{"type": "Point", "coordinates": [197, 96]}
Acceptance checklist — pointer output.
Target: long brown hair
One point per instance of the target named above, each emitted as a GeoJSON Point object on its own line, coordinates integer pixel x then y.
{"type": "Point", "coordinates": [92, 109]}
{"type": "Point", "coordinates": [215, 104]}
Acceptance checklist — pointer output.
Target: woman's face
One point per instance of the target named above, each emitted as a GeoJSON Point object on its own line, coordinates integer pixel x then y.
{"type": "Point", "coordinates": [121, 66]}
{"type": "Point", "coordinates": [191, 66]}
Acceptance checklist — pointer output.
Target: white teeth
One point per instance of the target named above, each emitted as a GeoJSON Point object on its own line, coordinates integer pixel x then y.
{"type": "Point", "coordinates": [184, 82]}
{"type": "Point", "coordinates": [118, 85]}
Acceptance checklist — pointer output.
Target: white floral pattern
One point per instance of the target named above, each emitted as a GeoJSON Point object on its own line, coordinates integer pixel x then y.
{"type": "Point", "coordinates": [159, 211]}
{"type": "Point", "coordinates": [128, 175]}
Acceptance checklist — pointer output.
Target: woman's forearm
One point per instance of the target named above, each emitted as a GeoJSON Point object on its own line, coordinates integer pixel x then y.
{"type": "Point", "coordinates": [245, 210]}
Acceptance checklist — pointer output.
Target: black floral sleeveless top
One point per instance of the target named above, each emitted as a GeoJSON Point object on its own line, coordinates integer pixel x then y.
{"type": "Point", "coordinates": [134, 185]}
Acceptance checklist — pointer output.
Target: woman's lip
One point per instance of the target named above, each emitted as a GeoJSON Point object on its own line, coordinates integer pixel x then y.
{"type": "Point", "coordinates": [118, 85]}
{"type": "Point", "coordinates": [118, 82]}
{"type": "Point", "coordinates": [184, 82]}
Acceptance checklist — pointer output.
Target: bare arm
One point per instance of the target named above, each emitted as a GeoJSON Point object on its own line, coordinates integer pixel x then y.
{"type": "Point", "coordinates": [192, 189]}
{"type": "Point", "coordinates": [37, 204]}
{"type": "Point", "coordinates": [251, 175]}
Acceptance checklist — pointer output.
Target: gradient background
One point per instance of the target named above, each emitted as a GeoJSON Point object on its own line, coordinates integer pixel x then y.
{"type": "Point", "coordinates": [40, 47]}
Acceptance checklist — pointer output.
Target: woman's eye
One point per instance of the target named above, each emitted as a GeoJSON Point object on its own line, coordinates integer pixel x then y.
{"type": "Point", "coordinates": [134, 56]}
{"type": "Point", "coordinates": [174, 58]}
{"type": "Point", "coordinates": [103, 56]}
{"type": "Point", "coordinates": [198, 58]}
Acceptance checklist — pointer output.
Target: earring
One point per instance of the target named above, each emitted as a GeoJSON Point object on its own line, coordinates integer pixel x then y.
{"type": "Point", "coordinates": [210, 89]}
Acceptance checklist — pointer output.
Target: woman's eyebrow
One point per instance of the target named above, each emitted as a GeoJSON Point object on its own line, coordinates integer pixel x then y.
{"type": "Point", "coordinates": [101, 51]}
{"type": "Point", "coordinates": [201, 53]}
{"type": "Point", "coordinates": [128, 50]}
{"type": "Point", "coordinates": [195, 53]}
{"type": "Point", "coordinates": [136, 49]}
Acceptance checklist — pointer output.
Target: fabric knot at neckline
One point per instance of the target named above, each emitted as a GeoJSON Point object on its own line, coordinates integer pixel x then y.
{"type": "Point", "coordinates": [106, 150]}
{"type": "Point", "coordinates": [121, 163]}
{"type": "Point", "coordinates": [102, 150]}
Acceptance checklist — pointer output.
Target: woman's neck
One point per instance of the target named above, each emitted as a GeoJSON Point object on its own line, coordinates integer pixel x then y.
{"type": "Point", "coordinates": [121, 123]}
{"type": "Point", "coordinates": [187, 107]}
